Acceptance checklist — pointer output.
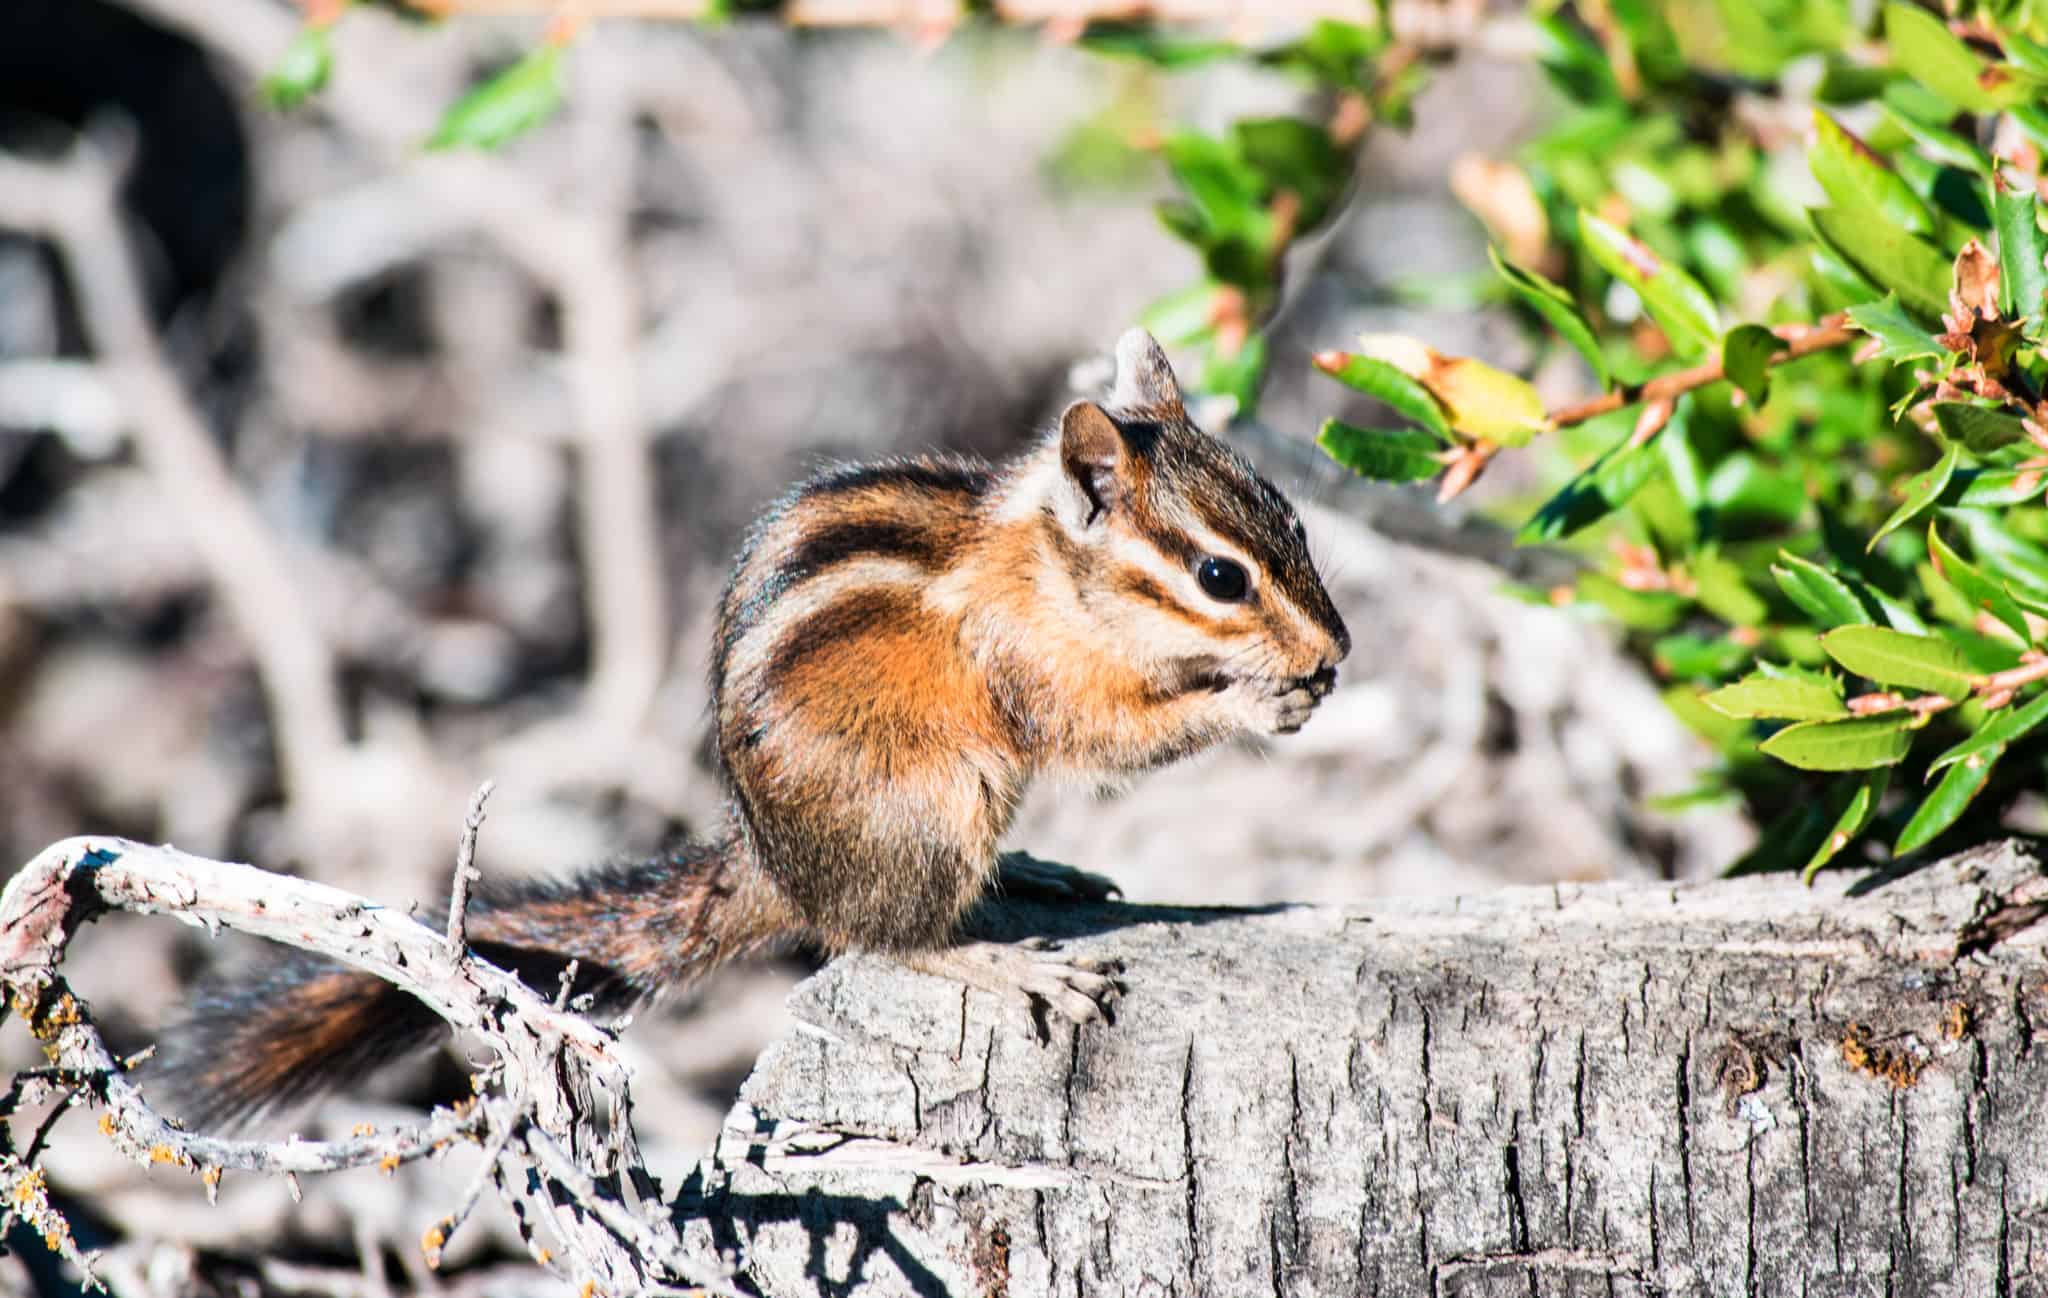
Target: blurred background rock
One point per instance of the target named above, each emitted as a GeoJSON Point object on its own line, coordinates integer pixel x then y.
{"type": "Point", "coordinates": [736, 255]}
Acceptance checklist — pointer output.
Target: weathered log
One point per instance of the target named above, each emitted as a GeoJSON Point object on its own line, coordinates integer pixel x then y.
{"type": "Point", "coordinates": [1740, 1087]}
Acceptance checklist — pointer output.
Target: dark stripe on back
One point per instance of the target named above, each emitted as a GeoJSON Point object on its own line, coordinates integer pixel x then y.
{"type": "Point", "coordinates": [885, 538]}
{"type": "Point", "coordinates": [853, 615]}
{"type": "Point", "coordinates": [927, 475]}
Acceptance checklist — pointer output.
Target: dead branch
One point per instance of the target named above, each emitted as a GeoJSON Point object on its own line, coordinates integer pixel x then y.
{"type": "Point", "coordinates": [466, 873]}
{"type": "Point", "coordinates": [552, 1065]}
{"type": "Point", "coordinates": [578, 254]}
{"type": "Point", "coordinates": [73, 205]}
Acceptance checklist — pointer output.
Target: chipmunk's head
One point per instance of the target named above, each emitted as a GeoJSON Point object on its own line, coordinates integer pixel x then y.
{"type": "Point", "coordinates": [1202, 562]}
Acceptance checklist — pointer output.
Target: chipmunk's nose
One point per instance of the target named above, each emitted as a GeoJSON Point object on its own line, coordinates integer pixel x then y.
{"type": "Point", "coordinates": [1321, 681]}
{"type": "Point", "coordinates": [1340, 642]}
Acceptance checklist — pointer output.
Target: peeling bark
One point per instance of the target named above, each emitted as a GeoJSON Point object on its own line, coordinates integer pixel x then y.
{"type": "Point", "coordinates": [1743, 1087]}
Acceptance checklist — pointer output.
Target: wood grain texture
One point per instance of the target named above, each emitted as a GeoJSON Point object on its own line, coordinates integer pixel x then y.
{"type": "Point", "coordinates": [1742, 1087]}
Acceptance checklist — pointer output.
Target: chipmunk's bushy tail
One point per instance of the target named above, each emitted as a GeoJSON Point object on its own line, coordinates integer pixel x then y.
{"type": "Point", "coordinates": [303, 1025]}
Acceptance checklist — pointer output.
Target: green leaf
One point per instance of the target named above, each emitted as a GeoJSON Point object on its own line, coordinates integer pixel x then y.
{"type": "Point", "coordinates": [1900, 338]}
{"type": "Point", "coordinates": [1708, 793]}
{"type": "Point", "coordinates": [2028, 54]}
{"type": "Point", "coordinates": [1896, 658]}
{"type": "Point", "coordinates": [1923, 46]}
{"type": "Point", "coordinates": [1846, 82]}
{"type": "Point", "coordinates": [1974, 586]}
{"type": "Point", "coordinates": [1855, 744]}
{"type": "Point", "coordinates": [1899, 616]}
{"type": "Point", "coordinates": [2023, 564]}
{"type": "Point", "coordinates": [1746, 359]}
{"type": "Point", "coordinates": [1296, 156]}
{"type": "Point", "coordinates": [1981, 429]}
{"type": "Point", "coordinates": [1150, 44]}
{"type": "Point", "coordinates": [1854, 816]}
{"type": "Point", "coordinates": [1760, 695]}
{"type": "Point", "coordinates": [1939, 143]}
{"type": "Point", "coordinates": [1390, 385]}
{"type": "Point", "coordinates": [1673, 298]}
{"type": "Point", "coordinates": [1730, 736]}
{"type": "Point", "coordinates": [1995, 488]}
{"type": "Point", "coordinates": [1333, 54]}
{"type": "Point", "coordinates": [1820, 594]}
{"type": "Point", "coordinates": [1788, 840]}
{"type": "Point", "coordinates": [2022, 276]}
{"type": "Point", "coordinates": [1481, 402]}
{"type": "Point", "coordinates": [1720, 589]}
{"type": "Point", "coordinates": [1182, 316]}
{"type": "Point", "coordinates": [1859, 183]}
{"type": "Point", "coordinates": [1827, 680]}
{"type": "Point", "coordinates": [1698, 658]}
{"type": "Point", "coordinates": [509, 104]}
{"type": "Point", "coordinates": [1395, 455]}
{"type": "Point", "coordinates": [2006, 726]}
{"type": "Point", "coordinates": [1557, 308]}
{"type": "Point", "coordinates": [1574, 61]}
{"type": "Point", "coordinates": [1986, 654]}
{"type": "Point", "coordinates": [1922, 490]}
{"type": "Point", "coordinates": [1237, 376]}
{"type": "Point", "coordinates": [303, 71]}
{"type": "Point", "coordinates": [1888, 257]}
{"type": "Point", "coordinates": [1602, 487]}
{"type": "Point", "coordinates": [1227, 193]}
{"type": "Point", "coordinates": [1638, 610]}
{"type": "Point", "coordinates": [1743, 487]}
{"type": "Point", "coordinates": [1964, 781]}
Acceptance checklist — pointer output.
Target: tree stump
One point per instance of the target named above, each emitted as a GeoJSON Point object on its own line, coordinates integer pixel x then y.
{"type": "Point", "coordinates": [1738, 1087]}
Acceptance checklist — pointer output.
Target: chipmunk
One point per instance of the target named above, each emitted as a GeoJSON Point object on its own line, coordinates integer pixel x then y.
{"type": "Point", "coordinates": [901, 648]}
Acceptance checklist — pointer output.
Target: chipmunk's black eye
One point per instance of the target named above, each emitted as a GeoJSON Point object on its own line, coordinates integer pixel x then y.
{"type": "Point", "coordinates": [1221, 579]}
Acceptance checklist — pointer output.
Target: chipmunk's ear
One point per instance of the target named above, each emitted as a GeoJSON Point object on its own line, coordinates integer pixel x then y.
{"type": "Point", "coordinates": [1097, 460]}
{"type": "Point", "coordinates": [1144, 380]}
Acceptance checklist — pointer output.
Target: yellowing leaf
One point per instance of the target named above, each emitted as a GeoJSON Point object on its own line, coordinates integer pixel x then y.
{"type": "Point", "coordinates": [1482, 403]}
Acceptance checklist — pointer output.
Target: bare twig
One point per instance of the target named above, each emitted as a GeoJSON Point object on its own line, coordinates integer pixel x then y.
{"type": "Point", "coordinates": [504, 1124]}
{"type": "Point", "coordinates": [466, 873]}
{"type": "Point", "coordinates": [72, 204]}
{"type": "Point", "coordinates": [1830, 332]}
{"type": "Point", "coordinates": [548, 1058]}
{"type": "Point", "coordinates": [579, 254]}
{"type": "Point", "coordinates": [1994, 691]}
{"type": "Point", "coordinates": [2033, 667]}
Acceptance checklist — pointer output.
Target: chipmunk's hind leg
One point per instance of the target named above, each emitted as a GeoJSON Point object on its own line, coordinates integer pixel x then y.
{"type": "Point", "coordinates": [1020, 874]}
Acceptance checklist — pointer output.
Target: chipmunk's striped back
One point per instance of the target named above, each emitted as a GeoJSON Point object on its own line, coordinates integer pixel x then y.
{"type": "Point", "coordinates": [903, 645]}
{"type": "Point", "coordinates": [869, 766]}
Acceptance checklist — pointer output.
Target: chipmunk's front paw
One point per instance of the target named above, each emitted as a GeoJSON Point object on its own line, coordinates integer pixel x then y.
{"type": "Point", "coordinates": [1078, 988]}
{"type": "Point", "coordinates": [1283, 706]}
{"type": "Point", "coordinates": [1019, 874]}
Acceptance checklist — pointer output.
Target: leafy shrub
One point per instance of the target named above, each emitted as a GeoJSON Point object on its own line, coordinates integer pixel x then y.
{"type": "Point", "coordinates": [1797, 243]}
{"type": "Point", "coordinates": [1812, 489]}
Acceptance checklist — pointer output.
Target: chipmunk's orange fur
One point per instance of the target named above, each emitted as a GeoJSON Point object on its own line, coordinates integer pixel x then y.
{"type": "Point", "coordinates": [902, 648]}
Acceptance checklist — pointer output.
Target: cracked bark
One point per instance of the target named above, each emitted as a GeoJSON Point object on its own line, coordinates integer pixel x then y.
{"type": "Point", "coordinates": [1376, 1100]}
